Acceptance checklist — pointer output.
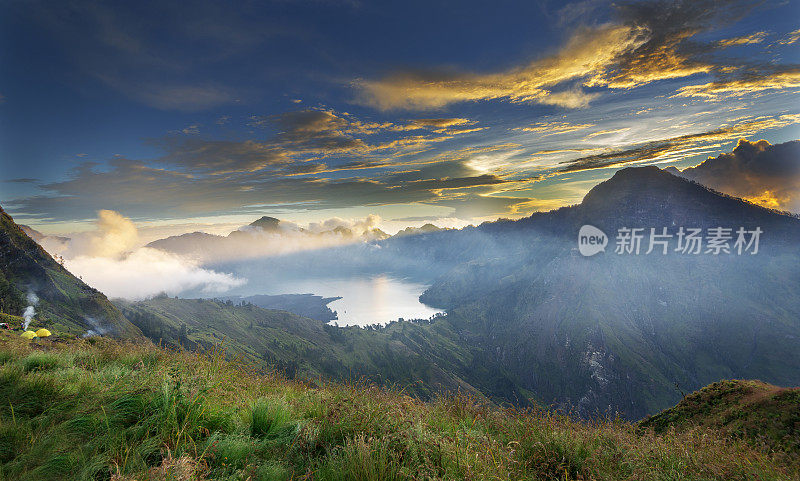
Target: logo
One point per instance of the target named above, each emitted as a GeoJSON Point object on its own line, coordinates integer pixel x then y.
{"type": "Point", "coordinates": [591, 240]}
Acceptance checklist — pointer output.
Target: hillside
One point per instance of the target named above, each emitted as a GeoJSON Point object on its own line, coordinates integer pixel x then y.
{"type": "Point", "coordinates": [765, 416]}
{"type": "Point", "coordinates": [64, 302]}
{"type": "Point", "coordinates": [100, 409]}
{"type": "Point", "coordinates": [303, 348]}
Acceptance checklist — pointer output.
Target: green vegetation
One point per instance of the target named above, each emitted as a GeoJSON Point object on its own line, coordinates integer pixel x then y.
{"type": "Point", "coordinates": [102, 409]}
{"type": "Point", "coordinates": [422, 358]}
{"type": "Point", "coordinates": [765, 416]}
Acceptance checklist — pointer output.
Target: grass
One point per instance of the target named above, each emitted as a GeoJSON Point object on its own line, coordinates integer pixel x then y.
{"type": "Point", "coordinates": [109, 410]}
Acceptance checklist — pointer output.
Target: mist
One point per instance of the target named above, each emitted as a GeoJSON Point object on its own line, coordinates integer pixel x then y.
{"type": "Point", "coordinates": [110, 259]}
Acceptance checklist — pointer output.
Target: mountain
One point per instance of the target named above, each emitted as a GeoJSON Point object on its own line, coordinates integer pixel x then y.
{"type": "Point", "coordinates": [618, 332]}
{"type": "Point", "coordinates": [765, 416]}
{"type": "Point", "coordinates": [266, 224]}
{"type": "Point", "coordinates": [424, 229]}
{"type": "Point", "coordinates": [83, 410]}
{"type": "Point", "coordinates": [30, 277]}
{"type": "Point", "coordinates": [263, 237]}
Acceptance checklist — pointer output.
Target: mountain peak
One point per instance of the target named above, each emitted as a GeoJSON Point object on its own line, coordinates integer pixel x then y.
{"type": "Point", "coordinates": [266, 223]}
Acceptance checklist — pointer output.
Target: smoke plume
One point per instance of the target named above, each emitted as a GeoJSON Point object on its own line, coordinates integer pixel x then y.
{"type": "Point", "coordinates": [30, 311]}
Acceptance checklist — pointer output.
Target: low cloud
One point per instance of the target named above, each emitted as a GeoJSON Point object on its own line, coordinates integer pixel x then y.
{"type": "Point", "coordinates": [110, 259]}
{"type": "Point", "coordinates": [758, 171]}
{"type": "Point", "coordinates": [146, 272]}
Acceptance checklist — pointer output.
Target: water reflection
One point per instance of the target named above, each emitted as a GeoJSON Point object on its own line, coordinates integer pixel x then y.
{"type": "Point", "coordinates": [366, 300]}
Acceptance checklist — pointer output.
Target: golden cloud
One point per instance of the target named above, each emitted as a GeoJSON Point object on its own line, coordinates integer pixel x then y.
{"type": "Point", "coordinates": [790, 38]}
{"type": "Point", "coordinates": [753, 38]}
{"type": "Point", "coordinates": [606, 132]}
{"type": "Point", "coordinates": [554, 128]}
{"type": "Point", "coordinates": [589, 51]}
{"type": "Point", "coordinates": [731, 88]}
{"type": "Point", "coordinates": [658, 62]}
{"type": "Point", "coordinates": [676, 147]}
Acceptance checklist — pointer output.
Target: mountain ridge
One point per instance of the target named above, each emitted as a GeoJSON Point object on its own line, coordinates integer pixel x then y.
{"type": "Point", "coordinates": [28, 272]}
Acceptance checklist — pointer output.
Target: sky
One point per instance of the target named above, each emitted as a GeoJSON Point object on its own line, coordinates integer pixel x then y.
{"type": "Point", "coordinates": [187, 116]}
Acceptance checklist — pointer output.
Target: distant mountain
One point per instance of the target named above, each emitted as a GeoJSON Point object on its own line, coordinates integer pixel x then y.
{"type": "Point", "coordinates": [266, 224]}
{"type": "Point", "coordinates": [264, 236]}
{"type": "Point", "coordinates": [63, 303]}
{"type": "Point", "coordinates": [424, 229]}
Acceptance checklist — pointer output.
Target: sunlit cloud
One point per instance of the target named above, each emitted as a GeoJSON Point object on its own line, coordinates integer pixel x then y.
{"type": "Point", "coordinates": [753, 84]}
{"type": "Point", "coordinates": [751, 39]}
{"type": "Point", "coordinates": [675, 147]}
{"type": "Point", "coordinates": [554, 128]}
{"type": "Point", "coordinates": [789, 38]}
{"type": "Point", "coordinates": [601, 133]}
{"type": "Point", "coordinates": [762, 173]}
{"type": "Point", "coordinates": [590, 50]}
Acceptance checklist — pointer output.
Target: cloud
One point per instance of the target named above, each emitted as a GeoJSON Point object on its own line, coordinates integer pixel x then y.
{"type": "Point", "coordinates": [141, 190]}
{"type": "Point", "coordinates": [590, 50]}
{"type": "Point", "coordinates": [676, 147]}
{"type": "Point", "coordinates": [789, 38]}
{"type": "Point", "coordinates": [554, 128]}
{"type": "Point", "coordinates": [758, 171]}
{"type": "Point", "coordinates": [307, 142]}
{"type": "Point", "coordinates": [648, 42]}
{"type": "Point", "coordinates": [757, 82]}
{"type": "Point", "coordinates": [751, 39]}
{"type": "Point", "coordinates": [109, 258]}
{"type": "Point", "coordinates": [114, 235]}
{"type": "Point", "coordinates": [147, 272]}
{"type": "Point", "coordinates": [193, 129]}
{"type": "Point", "coordinates": [600, 133]}
{"type": "Point", "coordinates": [183, 97]}
{"type": "Point", "coordinates": [439, 123]}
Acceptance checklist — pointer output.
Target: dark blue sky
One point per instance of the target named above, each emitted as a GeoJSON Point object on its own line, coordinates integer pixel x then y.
{"type": "Point", "coordinates": [188, 113]}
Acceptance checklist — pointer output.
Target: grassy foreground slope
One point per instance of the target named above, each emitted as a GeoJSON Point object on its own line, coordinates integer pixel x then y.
{"type": "Point", "coordinates": [102, 409]}
{"type": "Point", "coordinates": [766, 416]}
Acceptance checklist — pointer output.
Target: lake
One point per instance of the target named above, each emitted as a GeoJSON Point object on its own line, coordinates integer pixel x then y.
{"type": "Point", "coordinates": [364, 300]}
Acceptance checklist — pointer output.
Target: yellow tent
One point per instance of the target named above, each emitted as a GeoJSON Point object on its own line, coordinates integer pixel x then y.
{"type": "Point", "coordinates": [43, 332]}
{"type": "Point", "coordinates": [28, 335]}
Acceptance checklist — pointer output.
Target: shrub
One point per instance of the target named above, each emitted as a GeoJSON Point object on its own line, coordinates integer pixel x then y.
{"type": "Point", "coordinates": [269, 419]}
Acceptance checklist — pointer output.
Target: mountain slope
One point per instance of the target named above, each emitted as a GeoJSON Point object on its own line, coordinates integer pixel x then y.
{"type": "Point", "coordinates": [304, 348]}
{"type": "Point", "coordinates": [64, 303]}
{"type": "Point", "coordinates": [766, 416]}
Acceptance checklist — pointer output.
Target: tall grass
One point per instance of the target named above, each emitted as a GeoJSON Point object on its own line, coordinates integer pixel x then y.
{"type": "Point", "coordinates": [108, 410]}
